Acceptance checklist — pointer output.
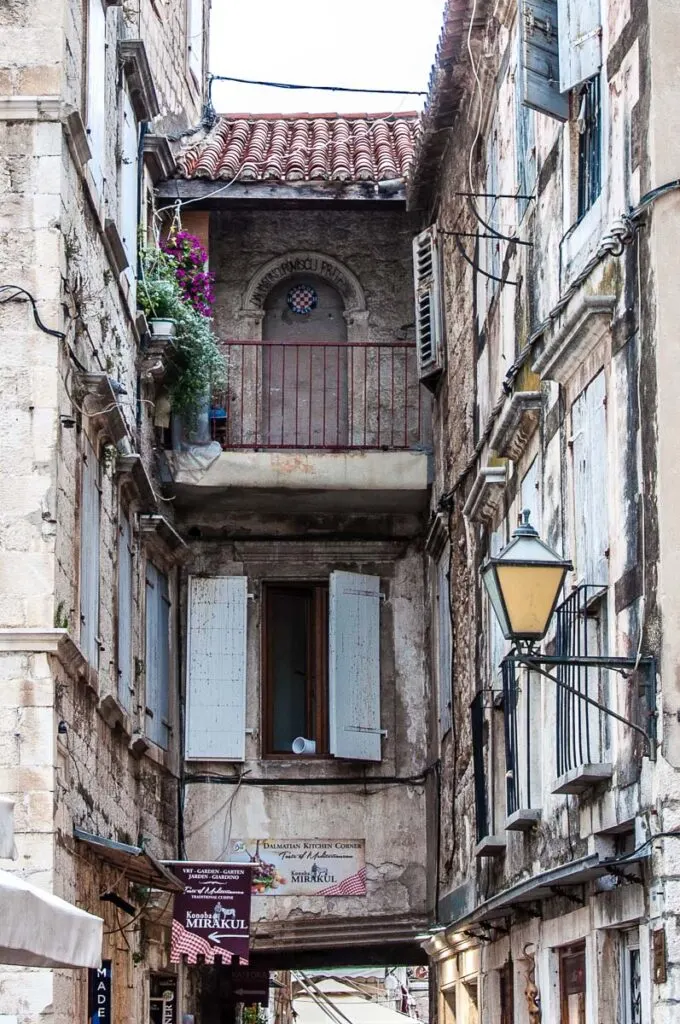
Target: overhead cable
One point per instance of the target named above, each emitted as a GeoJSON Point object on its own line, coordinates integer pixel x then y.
{"type": "Point", "coordinates": [318, 88]}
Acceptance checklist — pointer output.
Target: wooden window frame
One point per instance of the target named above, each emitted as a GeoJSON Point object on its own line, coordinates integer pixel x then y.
{"type": "Point", "coordinates": [564, 953]}
{"type": "Point", "coordinates": [317, 658]}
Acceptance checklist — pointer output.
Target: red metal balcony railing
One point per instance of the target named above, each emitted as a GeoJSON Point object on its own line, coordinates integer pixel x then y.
{"type": "Point", "coordinates": [319, 395]}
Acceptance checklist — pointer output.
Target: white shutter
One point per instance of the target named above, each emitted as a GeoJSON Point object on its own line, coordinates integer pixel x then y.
{"type": "Point", "coordinates": [427, 286]}
{"type": "Point", "coordinates": [89, 554]}
{"type": "Point", "coordinates": [540, 61]}
{"type": "Point", "coordinates": [590, 462]}
{"type": "Point", "coordinates": [195, 38]}
{"type": "Point", "coordinates": [96, 88]}
{"type": "Point", "coordinates": [125, 577]}
{"type": "Point", "coordinates": [354, 666]}
{"type": "Point", "coordinates": [444, 641]}
{"type": "Point", "coordinates": [580, 41]}
{"type": "Point", "coordinates": [129, 183]}
{"type": "Point", "coordinates": [216, 668]}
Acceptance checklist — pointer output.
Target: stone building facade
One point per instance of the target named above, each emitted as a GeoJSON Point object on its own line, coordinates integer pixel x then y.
{"type": "Point", "coordinates": [303, 510]}
{"type": "Point", "coordinates": [548, 198]}
{"type": "Point", "coordinates": [91, 95]}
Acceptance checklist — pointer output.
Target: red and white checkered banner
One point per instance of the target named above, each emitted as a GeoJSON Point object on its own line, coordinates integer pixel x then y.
{"type": "Point", "coordinates": [355, 885]}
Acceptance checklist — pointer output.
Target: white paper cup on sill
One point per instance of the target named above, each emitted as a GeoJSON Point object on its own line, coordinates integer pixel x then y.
{"type": "Point", "coordinates": [304, 746]}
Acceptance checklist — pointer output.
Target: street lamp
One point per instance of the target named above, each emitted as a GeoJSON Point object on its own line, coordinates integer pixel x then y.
{"type": "Point", "coordinates": [524, 583]}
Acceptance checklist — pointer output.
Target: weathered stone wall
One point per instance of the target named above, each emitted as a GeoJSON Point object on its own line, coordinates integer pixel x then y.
{"type": "Point", "coordinates": [489, 326]}
{"type": "Point", "coordinates": [52, 230]}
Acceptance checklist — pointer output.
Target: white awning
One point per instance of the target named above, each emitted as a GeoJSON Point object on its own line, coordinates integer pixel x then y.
{"type": "Point", "coordinates": [351, 1009]}
{"type": "Point", "coordinates": [38, 929]}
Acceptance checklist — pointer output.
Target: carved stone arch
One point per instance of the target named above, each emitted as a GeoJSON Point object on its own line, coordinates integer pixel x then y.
{"type": "Point", "coordinates": [326, 267]}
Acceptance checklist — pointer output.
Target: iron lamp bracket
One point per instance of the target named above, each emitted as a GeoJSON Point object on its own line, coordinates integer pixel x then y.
{"type": "Point", "coordinates": [645, 666]}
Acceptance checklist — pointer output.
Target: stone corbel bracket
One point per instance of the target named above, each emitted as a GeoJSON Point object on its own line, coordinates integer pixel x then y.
{"type": "Point", "coordinates": [485, 496]}
{"type": "Point", "coordinates": [102, 405]}
{"type": "Point", "coordinates": [573, 336]}
{"type": "Point", "coordinates": [137, 71]}
{"type": "Point", "coordinates": [518, 421]}
{"type": "Point", "coordinates": [132, 471]}
{"type": "Point", "coordinates": [158, 158]}
{"type": "Point", "coordinates": [157, 526]}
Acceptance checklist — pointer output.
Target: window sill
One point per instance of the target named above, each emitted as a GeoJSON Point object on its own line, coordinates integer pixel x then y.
{"type": "Point", "coordinates": [523, 819]}
{"type": "Point", "coordinates": [582, 778]}
{"type": "Point", "coordinates": [491, 846]}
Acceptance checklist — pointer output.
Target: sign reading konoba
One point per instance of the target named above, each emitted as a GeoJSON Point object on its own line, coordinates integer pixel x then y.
{"type": "Point", "coordinates": [212, 916]}
{"type": "Point", "coordinates": [304, 867]}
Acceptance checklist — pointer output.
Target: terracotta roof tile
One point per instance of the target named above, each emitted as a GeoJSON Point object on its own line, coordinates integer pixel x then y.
{"type": "Point", "coordinates": [304, 147]}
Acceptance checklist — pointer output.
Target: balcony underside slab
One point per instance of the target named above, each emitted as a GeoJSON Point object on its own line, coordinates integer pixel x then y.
{"type": "Point", "coordinates": [295, 481]}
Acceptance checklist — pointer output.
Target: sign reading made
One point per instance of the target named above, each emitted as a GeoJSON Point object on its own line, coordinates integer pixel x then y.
{"type": "Point", "coordinates": [212, 916]}
{"type": "Point", "coordinates": [304, 867]}
{"type": "Point", "coordinates": [99, 994]}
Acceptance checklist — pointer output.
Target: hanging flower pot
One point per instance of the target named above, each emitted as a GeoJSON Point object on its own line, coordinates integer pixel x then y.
{"type": "Point", "coordinates": [161, 328]}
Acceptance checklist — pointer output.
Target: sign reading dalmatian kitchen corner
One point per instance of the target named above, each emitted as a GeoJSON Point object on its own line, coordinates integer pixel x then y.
{"type": "Point", "coordinates": [212, 916]}
{"type": "Point", "coordinates": [304, 867]}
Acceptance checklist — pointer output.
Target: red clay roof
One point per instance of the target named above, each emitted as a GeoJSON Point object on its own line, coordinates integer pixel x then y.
{"type": "Point", "coordinates": [304, 147]}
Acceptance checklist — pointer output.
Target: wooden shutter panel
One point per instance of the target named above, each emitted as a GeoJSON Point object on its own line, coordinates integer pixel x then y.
{"type": "Point", "coordinates": [590, 464]}
{"type": "Point", "coordinates": [354, 666]}
{"type": "Point", "coordinates": [129, 184]}
{"type": "Point", "coordinates": [125, 599]}
{"type": "Point", "coordinates": [427, 284]}
{"type": "Point", "coordinates": [444, 642]}
{"type": "Point", "coordinates": [216, 668]}
{"type": "Point", "coordinates": [580, 41]}
{"type": "Point", "coordinates": [96, 88]}
{"type": "Point", "coordinates": [540, 61]}
{"type": "Point", "coordinates": [89, 554]}
{"type": "Point", "coordinates": [153, 656]}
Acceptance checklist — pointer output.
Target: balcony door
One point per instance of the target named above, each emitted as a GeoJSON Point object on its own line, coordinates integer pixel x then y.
{"type": "Point", "coordinates": [304, 366]}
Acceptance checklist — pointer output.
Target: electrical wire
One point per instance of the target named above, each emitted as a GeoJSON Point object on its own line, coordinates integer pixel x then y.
{"type": "Point", "coordinates": [16, 291]}
{"type": "Point", "coordinates": [318, 88]}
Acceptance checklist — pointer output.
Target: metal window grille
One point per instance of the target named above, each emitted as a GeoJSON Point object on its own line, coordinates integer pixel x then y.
{"type": "Point", "coordinates": [578, 724]}
{"type": "Point", "coordinates": [589, 145]}
{"type": "Point", "coordinates": [481, 805]}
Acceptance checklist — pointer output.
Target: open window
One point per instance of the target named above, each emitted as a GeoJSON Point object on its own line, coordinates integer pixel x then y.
{"type": "Point", "coordinates": [572, 968]}
{"type": "Point", "coordinates": [295, 662]}
{"type": "Point", "coordinates": [320, 674]}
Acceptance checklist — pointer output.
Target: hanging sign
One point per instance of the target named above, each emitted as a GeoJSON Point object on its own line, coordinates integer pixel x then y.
{"type": "Point", "coordinates": [212, 916]}
{"type": "Point", "coordinates": [99, 994]}
{"type": "Point", "coordinates": [163, 999]}
{"type": "Point", "coordinates": [250, 985]}
{"type": "Point", "coordinates": [304, 867]}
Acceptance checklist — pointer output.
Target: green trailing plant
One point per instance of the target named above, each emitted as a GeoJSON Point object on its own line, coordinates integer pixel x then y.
{"type": "Point", "coordinates": [196, 364]}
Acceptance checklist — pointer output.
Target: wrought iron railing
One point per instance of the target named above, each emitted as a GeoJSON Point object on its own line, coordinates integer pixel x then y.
{"type": "Point", "coordinates": [320, 395]}
{"type": "Point", "coordinates": [578, 635]}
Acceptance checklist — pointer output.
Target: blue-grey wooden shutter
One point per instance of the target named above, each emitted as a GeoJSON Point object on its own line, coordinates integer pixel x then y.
{"type": "Point", "coordinates": [90, 502]}
{"type": "Point", "coordinates": [129, 184]}
{"type": "Point", "coordinates": [96, 88]}
{"type": "Point", "coordinates": [216, 668]}
{"type": "Point", "coordinates": [428, 296]}
{"type": "Point", "coordinates": [444, 642]}
{"type": "Point", "coordinates": [540, 60]}
{"type": "Point", "coordinates": [125, 601]}
{"type": "Point", "coordinates": [354, 666]}
{"type": "Point", "coordinates": [157, 656]}
{"type": "Point", "coordinates": [580, 41]}
{"type": "Point", "coordinates": [590, 463]}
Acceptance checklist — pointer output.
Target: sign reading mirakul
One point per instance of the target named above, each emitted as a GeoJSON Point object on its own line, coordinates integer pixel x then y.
{"type": "Point", "coordinates": [212, 916]}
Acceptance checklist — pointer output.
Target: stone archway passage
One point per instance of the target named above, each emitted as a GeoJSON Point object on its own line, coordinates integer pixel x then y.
{"type": "Point", "coordinates": [304, 362]}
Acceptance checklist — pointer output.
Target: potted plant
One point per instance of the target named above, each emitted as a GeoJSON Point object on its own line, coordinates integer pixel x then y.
{"type": "Point", "coordinates": [159, 295]}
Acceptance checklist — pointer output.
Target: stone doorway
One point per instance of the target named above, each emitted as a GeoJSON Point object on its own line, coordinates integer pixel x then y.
{"type": "Point", "coordinates": [304, 365]}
